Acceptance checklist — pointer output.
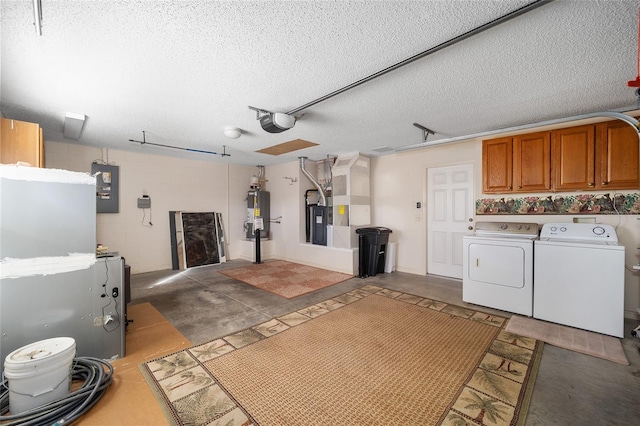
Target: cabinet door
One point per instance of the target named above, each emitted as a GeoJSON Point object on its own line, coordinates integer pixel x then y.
{"type": "Point", "coordinates": [532, 162]}
{"type": "Point", "coordinates": [21, 141]}
{"type": "Point", "coordinates": [617, 156]}
{"type": "Point", "coordinates": [573, 153]}
{"type": "Point", "coordinates": [497, 165]}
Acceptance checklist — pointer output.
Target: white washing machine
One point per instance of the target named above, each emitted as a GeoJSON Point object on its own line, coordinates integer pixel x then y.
{"type": "Point", "coordinates": [579, 277]}
{"type": "Point", "coordinates": [497, 268]}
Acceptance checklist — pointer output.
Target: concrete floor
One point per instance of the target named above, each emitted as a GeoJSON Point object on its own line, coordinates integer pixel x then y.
{"type": "Point", "coordinates": [571, 388]}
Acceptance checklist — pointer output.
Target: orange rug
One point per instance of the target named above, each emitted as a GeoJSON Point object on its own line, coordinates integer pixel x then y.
{"type": "Point", "coordinates": [286, 279]}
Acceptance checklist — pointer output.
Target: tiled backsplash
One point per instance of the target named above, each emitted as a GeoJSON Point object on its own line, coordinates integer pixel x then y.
{"type": "Point", "coordinates": [562, 204]}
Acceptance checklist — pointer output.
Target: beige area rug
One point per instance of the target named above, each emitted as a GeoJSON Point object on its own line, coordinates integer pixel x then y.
{"type": "Point", "coordinates": [573, 339]}
{"type": "Point", "coordinates": [368, 357]}
{"type": "Point", "coordinates": [286, 279]}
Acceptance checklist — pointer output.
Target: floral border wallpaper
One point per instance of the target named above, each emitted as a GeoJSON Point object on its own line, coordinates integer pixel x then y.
{"type": "Point", "coordinates": [562, 204]}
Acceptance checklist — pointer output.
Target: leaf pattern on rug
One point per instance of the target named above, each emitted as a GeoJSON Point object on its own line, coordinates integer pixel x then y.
{"type": "Point", "coordinates": [389, 293]}
{"type": "Point", "coordinates": [270, 328]}
{"type": "Point", "coordinates": [294, 319]}
{"type": "Point", "coordinates": [204, 406]}
{"type": "Point", "coordinates": [483, 409]}
{"type": "Point", "coordinates": [496, 386]}
{"type": "Point", "coordinates": [211, 350]}
{"type": "Point", "coordinates": [514, 353]}
{"type": "Point", "coordinates": [244, 338]}
{"type": "Point", "coordinates": [185, 383]}
{"type": "Point", "coordinates": [458, 311]}
{"type": "Point", "coordinates": [433, 304]}
{"type": "Point", "coordinates": [488, 319]}
{"type": "Point", "coordinates": [314, 311]}
{"type": "Point", "coordinates": [410, 298]}
{"type": "Point", "coordinates": [170, 365]}
{"type": "Point", "coordinates": [516, 339]}
{"type": "Point", "coordinates": [507, 368]}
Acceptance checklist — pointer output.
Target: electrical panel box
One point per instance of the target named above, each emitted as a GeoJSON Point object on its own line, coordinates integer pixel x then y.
{"type": "Point", "coordinates": [144, 203]}
{"type": "Point", "coordinates": [107, 182]}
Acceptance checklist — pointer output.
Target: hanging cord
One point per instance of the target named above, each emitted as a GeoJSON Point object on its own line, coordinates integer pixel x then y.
{"type": "Point", "coordinates": [96, 375]}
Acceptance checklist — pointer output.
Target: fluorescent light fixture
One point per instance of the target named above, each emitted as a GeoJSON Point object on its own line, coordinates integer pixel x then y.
{"type": "Point", "coordinates": [73, 125]}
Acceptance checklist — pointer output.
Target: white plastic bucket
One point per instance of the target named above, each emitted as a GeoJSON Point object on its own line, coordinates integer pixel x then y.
{"type": "Point", "coordinates": [39, 373]}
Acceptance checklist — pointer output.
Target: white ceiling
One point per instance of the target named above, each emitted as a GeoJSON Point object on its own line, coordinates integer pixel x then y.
{"type": "Point", "coordinates": [184, 70]}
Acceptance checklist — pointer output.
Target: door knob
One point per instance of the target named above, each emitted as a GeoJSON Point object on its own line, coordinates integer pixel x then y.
{"type": "Point", "coordinates": [470, 219]}
{"type": "Point", "coordinates": [470, 228]}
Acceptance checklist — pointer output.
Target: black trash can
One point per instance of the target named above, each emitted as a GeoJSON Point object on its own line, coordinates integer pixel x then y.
{"type": "Point", "coordinates": [372, 244]}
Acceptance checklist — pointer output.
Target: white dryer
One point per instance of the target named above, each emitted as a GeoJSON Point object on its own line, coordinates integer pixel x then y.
{"type": "Point", "coordinates": [497, 266]}
{"type": "Point", "coordinates": [579, 277]}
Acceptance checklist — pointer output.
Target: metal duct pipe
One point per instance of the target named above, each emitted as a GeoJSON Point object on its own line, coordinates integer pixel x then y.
{"type": "Point", "coordinates": [618, 115]}
{"type": "Point", "coordinates": [323, 198]}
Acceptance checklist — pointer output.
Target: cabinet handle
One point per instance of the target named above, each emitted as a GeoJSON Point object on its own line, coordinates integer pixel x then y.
{"type": "Point", "coordinates": [520, 187]}
{"type": "Point", "coordinates": [470, 228]}
{"type": "Point", "coordinates": [591, 184]}
{"type": "Point", "coordinates": [508, 187]}
{"type": "Point", "coordinates": [605, 183]}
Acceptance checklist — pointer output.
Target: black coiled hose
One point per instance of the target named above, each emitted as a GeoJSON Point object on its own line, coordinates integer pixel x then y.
{"type": "Point", "coordinates": [96, 375]}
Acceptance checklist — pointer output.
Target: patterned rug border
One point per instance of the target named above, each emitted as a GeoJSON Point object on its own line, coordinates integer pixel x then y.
{"type": "Point", "coordinates": [182, 360]}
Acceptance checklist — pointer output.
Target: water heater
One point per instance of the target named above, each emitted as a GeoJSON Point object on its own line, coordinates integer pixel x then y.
{"type": "Point", "coordinates": [257, 211]}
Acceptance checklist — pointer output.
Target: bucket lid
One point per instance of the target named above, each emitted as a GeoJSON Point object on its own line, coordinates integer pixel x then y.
{"type": "Point", "coordinates": [38, 351]}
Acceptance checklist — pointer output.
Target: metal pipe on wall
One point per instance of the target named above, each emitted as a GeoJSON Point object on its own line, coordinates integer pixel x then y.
{"type": "Point", "coordinates": [323, 198]}
{"type": "Point", "coordinates": [612, 114]}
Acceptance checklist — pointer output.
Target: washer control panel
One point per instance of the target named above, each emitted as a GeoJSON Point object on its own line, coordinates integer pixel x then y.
{"type": "Point", "coordinates": [580, 232]}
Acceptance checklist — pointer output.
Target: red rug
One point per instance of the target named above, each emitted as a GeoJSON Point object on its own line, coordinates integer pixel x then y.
{"type": "Point", "coordinates": [286, 279]}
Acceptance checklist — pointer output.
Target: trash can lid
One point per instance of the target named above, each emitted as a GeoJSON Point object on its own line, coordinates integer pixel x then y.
{"type": "Point", "coordinates": [374, 230]}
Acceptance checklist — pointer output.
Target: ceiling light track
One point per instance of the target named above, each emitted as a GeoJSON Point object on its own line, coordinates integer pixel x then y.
{"type": "Point", "coordinates": [144, 142]}
{"type": "Point", "coordinates": [524, 9]}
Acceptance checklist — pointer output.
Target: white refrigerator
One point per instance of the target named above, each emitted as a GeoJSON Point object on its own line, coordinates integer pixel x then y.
{"type": "Point", "coordinates": [51, 283]}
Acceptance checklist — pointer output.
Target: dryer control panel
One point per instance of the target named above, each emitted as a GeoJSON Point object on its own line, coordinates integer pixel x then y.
{"type": "Point", "coordinates": [597, 233]}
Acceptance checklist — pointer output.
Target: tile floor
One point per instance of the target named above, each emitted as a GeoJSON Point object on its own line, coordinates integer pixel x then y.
{"type": "Point", "coordinates": [571, 388]}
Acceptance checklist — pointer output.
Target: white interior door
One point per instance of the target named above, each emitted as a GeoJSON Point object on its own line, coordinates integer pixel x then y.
{"type": "Point", "coordinates": [449, 217]}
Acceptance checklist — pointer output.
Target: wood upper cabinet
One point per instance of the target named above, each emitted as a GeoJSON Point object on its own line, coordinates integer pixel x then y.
{"type": "Point", "coordinates": [599, 157]}
{"type": "Point", "coordinates": [21, 142]}
{"type": "Point", "coordinates": [573, 153]}
{"type": "Point", "coordinates": [532, 162]}
{"type": "Point", "coordinates": [617, 156]}
{"type": "Point", "coordinates": [516, 164]}
{"type": "Point", "coordinates": [497, 165]}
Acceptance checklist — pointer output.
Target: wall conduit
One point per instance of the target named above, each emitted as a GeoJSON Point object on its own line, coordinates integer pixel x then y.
{"type": "Point", "coordinates": [323, 198]}
{"type": "Point", "coordinates": [612, 114]}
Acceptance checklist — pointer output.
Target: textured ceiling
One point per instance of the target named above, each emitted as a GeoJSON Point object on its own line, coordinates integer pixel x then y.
{"type": "Point", "coordinates": [182, 71]}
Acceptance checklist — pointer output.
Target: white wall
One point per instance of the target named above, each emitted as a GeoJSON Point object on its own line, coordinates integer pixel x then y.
{"type": "Point", "coordinates": [172, 184]}
{"type": "Point", "coordinates": [399, 181]}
